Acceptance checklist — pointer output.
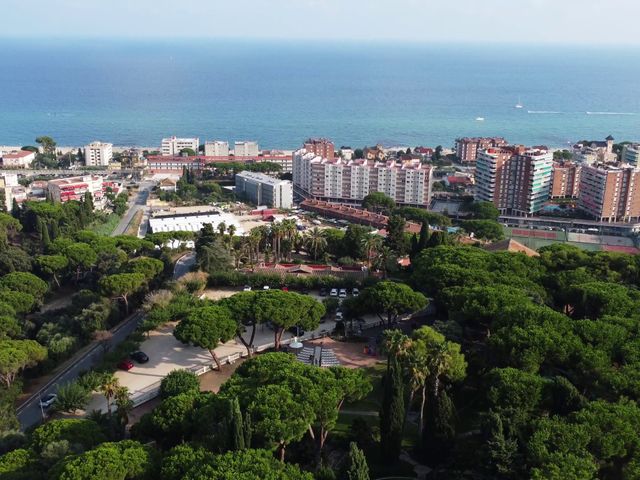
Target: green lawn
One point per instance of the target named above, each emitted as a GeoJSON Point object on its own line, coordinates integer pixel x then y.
{"type": "Point", "coordinates": [108, 226]}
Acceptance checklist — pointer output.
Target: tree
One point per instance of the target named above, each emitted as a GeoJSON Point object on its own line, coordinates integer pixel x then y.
{"type": "Point", "coordinates": [121, 285]}
{"type": "Point", "coordinates": [315, 242]}
{"type": "Point", "coordinates": [52, 265]}
{"type": "Point", "coordinates": [9, 327]}
{"type": "Point", "coordinates": [16, 355]}
{"type": "Point", "coordinates": [109, 388]}
{"type": "Point", "coordinates": [214, 257]}
{"type": "Point", "coordinates": [357, 467]}
{"type": "Point", "coordinates": [392, 413]}
{"type": "Point", "coordinates": [48, 145]}
{"type": "Point", "coordinates": [207, 328]}
{"type": "Point", "coordinates": [149, 267]}
{"type": "Point", "coordinates": [21, 302]}
{"type": "Point", "coordinates": [483, 211]}
{"type": "Point", "coordinates": [391, 299]}
{"type": "Point", "coordinates": [485, 229]}
{"type": "Point", "coordinates": [81, 257]}
{"type": "Point", "coordinates": [177, 382]}
{"type": "Point", "coordinates": [396, 239]}
{"type": "Point", "coordinates": [82, 432]}
{"type": "Point", "coordinates": [378, 202]}
{"type": "Point", "coordinates": [235, 426]}
{"type": "Point", "coordinates": [71, 397]}
{"type": "Point", "coordinates": [24, 282]}
{"type": "Point", "coordinates": [188, 152]}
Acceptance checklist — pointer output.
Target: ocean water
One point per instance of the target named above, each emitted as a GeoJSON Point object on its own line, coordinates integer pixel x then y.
{"type": "Point", "coordinates": [279, 93]}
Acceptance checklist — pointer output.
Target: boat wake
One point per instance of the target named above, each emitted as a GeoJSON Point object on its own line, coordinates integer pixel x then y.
{"type": "Point", "coordinates": [611, 113]}
{"type": "Point", "coordinates": [544, 112]}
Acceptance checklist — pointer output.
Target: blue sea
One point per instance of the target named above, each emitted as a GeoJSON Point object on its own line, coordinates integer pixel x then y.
{"type": "Point", "coordinates": [279, 93]}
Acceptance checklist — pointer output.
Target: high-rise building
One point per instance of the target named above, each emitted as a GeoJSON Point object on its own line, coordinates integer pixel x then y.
{"type": "Point", "coordinates": [216, 148]}
{"type": "Point", "coordinates": [610, 193]}
{"type": "Point", "coordinates": [565, 181]}
{"type": "Point", "coordinates": [515, 179]}
{"type": "Point", "coordinates": [246, 149]}
{"type": "Point", "coordinates": [322, 147]}
{"type": "Point", "coordinates": [98, 154]}
{"type": "Point", "coordinates": [172, 146]}
{"type": "Point", "coordinates": [262, 189]}
{"type": "Point", "coordinates": [467, 149]}
{"type": "Point", "coordinates": [349, 181]}
{"type": "Point", "coordinates": [631, 154]}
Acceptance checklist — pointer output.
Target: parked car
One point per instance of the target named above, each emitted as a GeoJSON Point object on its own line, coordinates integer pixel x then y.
{"type": "Point", "coordinates": [285, 289]}
{"type": "Point", "coordinates": [334, 292]}
{"type": "Point", "coordinates": [343, 293]}
{"type": "Point", "coordinates": [125, 365]}
{"type": "Point", "coordinates": [139, 357]}
{"type": "Point", "coordinates": [339, 316]}
{"type": "Point", "coordinates": [48, 400]}
{"type": "Point", "coordinates": [266, 287]}
{"type": "Point", "coordinates": [323, 292]}
{"type": "Point", "coordinates": [247, 288]}
{"type": "Point", "coordinates": [355, 292]}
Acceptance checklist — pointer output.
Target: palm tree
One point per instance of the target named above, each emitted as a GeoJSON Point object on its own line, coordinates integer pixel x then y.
{"type": "Point", "coordinates": [315, 242]}
{"type": "Point", "coordinates": [276, 236]}
{"type": "Point", "coordinates": [109, 388]}
{"type": "Point", "coordinates": [385, 254]}
{"type": "Point", "coordinates": [231, 230]}
{"type": "Point", "coordinates": [124, 404]}
{"type": "Point", "coordinates": [371, 244]}
{"type": "Point", "coordinates": [222, 227]}
{"type": "Point", "coordinates": [395, 343]}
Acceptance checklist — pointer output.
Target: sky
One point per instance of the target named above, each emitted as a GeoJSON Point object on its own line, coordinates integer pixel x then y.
{"type": "Point", "coordinates": [599, 22]}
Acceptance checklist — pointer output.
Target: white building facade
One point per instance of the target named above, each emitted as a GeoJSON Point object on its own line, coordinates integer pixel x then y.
{"type": "Point", "coordinates": [216, 148]}
{"type": "Point", "coordinates": [173, 145]}
{"type": "Point", "coordinates": [246, 149]}
{"type": "Point", "coordinates": [98, 154]}
{"type": "Point", "coordinates": [262, 189]}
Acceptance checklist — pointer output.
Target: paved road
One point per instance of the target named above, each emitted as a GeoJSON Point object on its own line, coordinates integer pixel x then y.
{"type": "Point", "coordinates": [136, 203]}
{"type": "Point", "coordinates": [29, 413]}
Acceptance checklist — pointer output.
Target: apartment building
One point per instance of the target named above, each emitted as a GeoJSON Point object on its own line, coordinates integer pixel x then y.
{"type": "Point", "coordinates": [517, 180]}
{"type": "Point", "coordinates": [74, 188]}
{"type": "Point", "coordinates": [467, 149]}
{"type": "Point", "coordinates": [98, 154]}
{"type": "Point", "coordinates": [173, 146]}
{"type": "Point", "coordinates": [349, 181]}
{"type": "Point", "coordinates": [610, 193]}
{"type": "Point", "coordinates": [322, 147]}
{"type": "Point", "coordinates": [262, 189]}
{"type": "Point", "coordinates": [283, 158]}
{"type": "Point", "coordinates": [631, 154]}
{"type": "Point", "coordinates": [565, 180]}
{"type": "Point", "coordinates": [246, 149]}
{"type": "Point", "coordinates": [216, 148]}
{"type": "Point", "coordinates": [18, 159]}
{"type": "Point", "coordinates": [594, 152]}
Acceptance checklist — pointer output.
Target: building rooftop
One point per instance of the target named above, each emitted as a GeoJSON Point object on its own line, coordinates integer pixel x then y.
{"type": "Point", "coordinates": [261, 177]}
{"type": "Point", "coordinates": [18, 154]}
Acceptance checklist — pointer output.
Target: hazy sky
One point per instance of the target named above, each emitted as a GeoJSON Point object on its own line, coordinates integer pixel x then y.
{"type": "Point", "coordinates": [527, 21]}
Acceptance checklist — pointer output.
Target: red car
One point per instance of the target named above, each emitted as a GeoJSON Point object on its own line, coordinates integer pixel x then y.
{"type": "Point", "coordinates": [125, 364]}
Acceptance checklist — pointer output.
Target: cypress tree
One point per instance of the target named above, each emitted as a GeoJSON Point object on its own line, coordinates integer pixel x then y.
{"type": "Point", "coordinates": [392, 413]}
{"type": "Point", "coordinates": [15, 209]}
{"type": "Point", "coordinates": [247, 430]}
{"type": "Point", "coordinates": [236, 426]}
{"type": "Point", "coordinates": [439, 430]}
{"type": "Point", "coordinates": [423, 237]}
{"type": "Point", "coordinates": [414, 245]}
{"type": "Point", "coordinates": [55, 229]}
{"type": "Point", "coordinates": [39, 228]}
{"type": "Point", "coordinates": [88, 204]}
{"type": "Point", "coordinates": [356, 467]}
{"type": "Point", "coordinates": [46, 239]}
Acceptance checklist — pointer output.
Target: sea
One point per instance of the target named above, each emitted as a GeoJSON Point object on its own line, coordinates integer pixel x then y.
{"type": "Point", "coordinates": [135, 92]}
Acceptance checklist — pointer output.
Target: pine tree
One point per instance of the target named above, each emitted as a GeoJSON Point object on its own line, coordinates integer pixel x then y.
{"type": "Point", "coordinates": [88, 204]}
{"type": "Point", "coordinates": [247, 430]}
{"type": "Point", "coordinates": [392, 413]}
{"type": "Point", "coordinates": [501, 452]}
{"type": "Point", "coordinates": [356, 467]}
{"type": "Point", "coordinates": [235, 426]}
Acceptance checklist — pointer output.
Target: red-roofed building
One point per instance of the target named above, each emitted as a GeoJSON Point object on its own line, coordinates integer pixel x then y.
{"type": "Point", "coordinates": [18, 159]}
{"type": "Point", "coordinates": [74, 188]}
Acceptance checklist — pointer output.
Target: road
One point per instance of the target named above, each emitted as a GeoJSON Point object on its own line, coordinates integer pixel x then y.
{"type": "Point", "coordinates": [137, 203]}
{"type": "Point", "coordinates": [29, 413]}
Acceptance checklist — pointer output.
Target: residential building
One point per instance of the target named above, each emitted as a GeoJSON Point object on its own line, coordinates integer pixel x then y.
{"type": "Point", "coordinates": [74, 188]}
{"type": "Point", "coordinates": [18, 159]}
{"type": "Point", "coordinates": [467, 149]}
{"type": "Point", "coordinates": [168, 185]}
{"type": "Point", "coordinates": [610, 193]}
{"type": "Point", "coordinates": [322, 147]}
{"type": "Point", "coordinates": [593, 152]}
{"type": "Point", "coordinates": [246, 149]}
{"type": "Point", "coordinates": [349, 181]}
{"type": "Point", "coordinates": [279, 157]}
{"type": "Point", "coordinates": [631, 154]}
{"type": "Point", "coordinates": [374, 153]}
{"type": "Point", "coordinates": [216, 148]}
{"type": "Point", "coordinates": [173, 146]}
{"type": "Point", "coordinates": [515, 179]}
{"type": "Point", "coordinates": [565, 180]}
{"type": "Point", "coordinates": [262, 189]}
{"type": "Point", "coordinates": [173, 164]}
{"type": "Point", "coordinates": [346, 152]}
{"type": "Point", "coordinates": [98, 154]}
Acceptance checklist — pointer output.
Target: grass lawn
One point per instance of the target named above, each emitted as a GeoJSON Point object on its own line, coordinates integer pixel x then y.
{"type": "Point", "coordinates": [107, 227]}
{"type": "Point", "coordinates": [134, 226]}
{"type": "Point", "coordinates": [371, 402]}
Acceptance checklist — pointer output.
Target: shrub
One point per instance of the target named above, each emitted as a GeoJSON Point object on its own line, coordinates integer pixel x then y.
{"type": "Point", "coordinates": [177, 382]}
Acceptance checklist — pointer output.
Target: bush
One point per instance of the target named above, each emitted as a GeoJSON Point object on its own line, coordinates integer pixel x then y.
{"type": "Point", "coordinates": [177, 382]}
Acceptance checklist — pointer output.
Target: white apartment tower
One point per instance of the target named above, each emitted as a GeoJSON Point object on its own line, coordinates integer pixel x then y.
{"type": "Point", "coordinates": [98, 154]}
{"type": "Point", "coordinates": [172, 146]}
{"type": "Point", "coordinates": [246, 149]}
{"type": "Point", "coordinates": [216, 148]}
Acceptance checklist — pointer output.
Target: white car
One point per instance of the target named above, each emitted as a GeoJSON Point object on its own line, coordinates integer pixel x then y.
{"type": "Point", "coordinates": [266, 287]}
{"type": "Point", "coordinates": [48, 400]}
{"type": "Point", "coordinates": [339, 316]}
{"type": "Point", "coordinates": [343, 293]}
{"type": "Point", "coordinates": [355, 292]}
{"type": "Point", "coordinates": [247, 288]}
{"type": "Point", "coordinates": [333, 292]}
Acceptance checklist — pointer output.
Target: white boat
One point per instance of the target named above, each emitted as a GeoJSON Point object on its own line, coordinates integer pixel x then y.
{"type": "Point", "coordinates": [519, 104]}
{"type": "Point", "coordinates": [479, 119]}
